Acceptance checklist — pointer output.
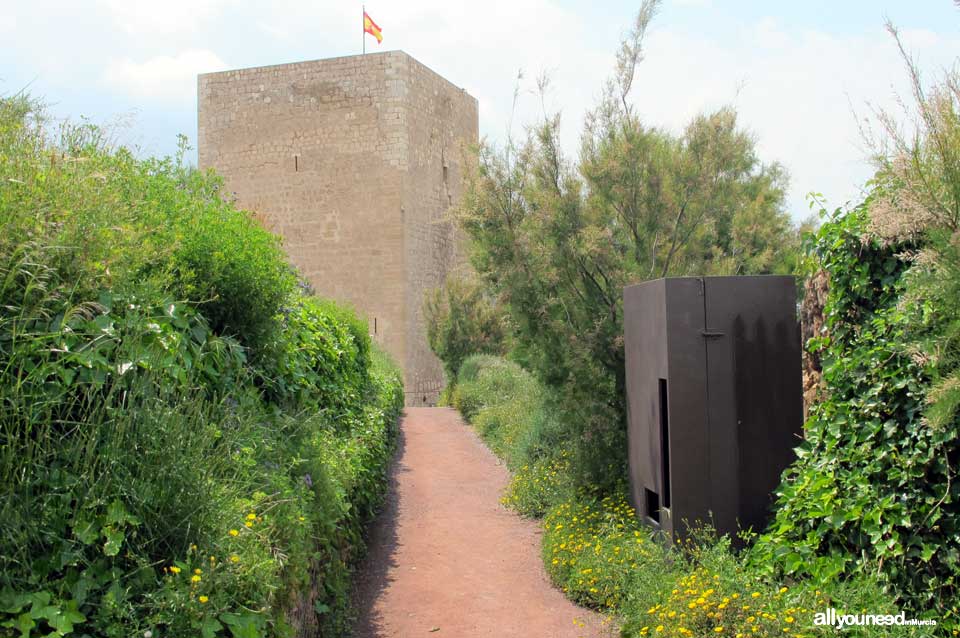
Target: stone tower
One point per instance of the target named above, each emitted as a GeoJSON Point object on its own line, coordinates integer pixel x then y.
{"type": "Point", "coordinates": [354, 161]}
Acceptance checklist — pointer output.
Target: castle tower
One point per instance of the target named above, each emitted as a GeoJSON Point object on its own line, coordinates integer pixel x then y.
{"type": "Point", "coordinates": [354, 161]}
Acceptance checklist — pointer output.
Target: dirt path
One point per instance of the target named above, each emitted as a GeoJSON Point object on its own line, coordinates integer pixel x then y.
{"type": "Point", "coordinates": [446, 559]}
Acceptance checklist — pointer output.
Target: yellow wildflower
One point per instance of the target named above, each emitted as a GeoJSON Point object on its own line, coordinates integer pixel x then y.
{"type": "Point", "coordinates": [234, 532]}
{"type": "Point", "coordinates": [203, 600]}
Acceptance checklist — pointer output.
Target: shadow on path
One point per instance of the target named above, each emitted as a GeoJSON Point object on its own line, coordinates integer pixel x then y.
{"type": "Point", "coordinates": [373, 574]}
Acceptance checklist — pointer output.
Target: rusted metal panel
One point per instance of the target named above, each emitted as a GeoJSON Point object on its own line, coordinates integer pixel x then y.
{"type": "Point", "coordinates": [714, 397]}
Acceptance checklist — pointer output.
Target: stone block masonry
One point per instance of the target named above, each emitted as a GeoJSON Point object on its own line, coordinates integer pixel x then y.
{"type": "Point", "coordinates": [354, 162]}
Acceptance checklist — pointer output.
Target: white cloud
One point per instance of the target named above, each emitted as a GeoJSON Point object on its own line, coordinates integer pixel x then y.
{"type": "Point", "coordinates": [799, 91]}
{"type": "Point", "coordinates": [794, 87]}
{"type": "Point", "coordinates": [7, 23]}
{"type": "Point", "coordinates": [149, 17]}
{"type": "Point", "coordinates": [163, 78]}
{"type": "Point", "coordinates": [274, 32]}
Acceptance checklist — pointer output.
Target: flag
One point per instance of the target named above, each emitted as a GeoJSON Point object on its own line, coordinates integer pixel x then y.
{"type": "Point", "coordinates": [369, 26]}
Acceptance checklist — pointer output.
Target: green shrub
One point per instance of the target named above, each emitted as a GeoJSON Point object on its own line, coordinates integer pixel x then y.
{"type": "Point", "coordinates": [223, 258]}
{"type": "Point", "coordinates": [315, 358]}
{"type": "Point", "coordinates": [872, 475]}
{"type": "Point", "coordinates": [188, 444]}
{"type": "Point", "coordinates": [462, 320]}
{"type": "Point", "coordinates": [537, 486]}
{"type": "Point", "coordinates": [597, 551]}
{"type": "Point", "coordinates": [503, 401]}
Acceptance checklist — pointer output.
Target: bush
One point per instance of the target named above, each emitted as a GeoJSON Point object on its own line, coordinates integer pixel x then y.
{"type": "Point", "coordinates": [502, 401]}
{"type": "Point", "coordinates": [189, 444]}
{"type": "Point", "coordinates": [462, 320]}
{"type": "Point", "coordinates": [599, 554]}
{"type": "Point", "coordinates": [872, 474]}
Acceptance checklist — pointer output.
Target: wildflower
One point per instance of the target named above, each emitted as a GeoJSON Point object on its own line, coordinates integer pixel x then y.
{"type": "Point", "coordinates": [198, 571]}
{"type": "Point", "coordinates": [755, 594]}
{"type": "Point", "coordinates": [234, 532]}
{"type": "Point", "coordinates": [789, 619]}
{"type": "Point", "coordinates": [203, 600]}
{"type": "Point", "coordinates": [175, 569]}
{"type": "Point", "coordinates": [234, 559]}
{"type": "Point", "coordinates": [248, 524]}
{"type": "Point", "coordinates": [195, 579]}
{"type": "Point", "coordinates": [783, 590]}
{"type": "Point", "coordinates": [718, 629]}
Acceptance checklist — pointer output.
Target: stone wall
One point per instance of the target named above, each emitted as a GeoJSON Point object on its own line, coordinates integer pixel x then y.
{"type": "Point", "coordinates": [441, 118]}
{"type": "Point", "coordinates": [354, 161]}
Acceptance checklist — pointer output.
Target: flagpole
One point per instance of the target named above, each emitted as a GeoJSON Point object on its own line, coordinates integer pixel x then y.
{"type": "Point", "coordinates": [363, 30]}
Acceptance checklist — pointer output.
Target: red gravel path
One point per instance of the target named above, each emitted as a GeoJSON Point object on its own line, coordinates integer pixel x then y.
{"type": "Point", "coordinates": [446, 559]}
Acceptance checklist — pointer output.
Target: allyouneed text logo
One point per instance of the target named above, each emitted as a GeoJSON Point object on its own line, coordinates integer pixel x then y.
{"type": "Point", "coordinates": [832, 618]}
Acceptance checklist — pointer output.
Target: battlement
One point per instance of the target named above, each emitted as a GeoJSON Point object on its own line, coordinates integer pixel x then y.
{"type": "Point", "coordinates": [354, 162]}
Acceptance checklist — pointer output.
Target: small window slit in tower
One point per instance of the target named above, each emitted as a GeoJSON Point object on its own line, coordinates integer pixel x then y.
{"type": "Point", "coordinates": [296, 163]}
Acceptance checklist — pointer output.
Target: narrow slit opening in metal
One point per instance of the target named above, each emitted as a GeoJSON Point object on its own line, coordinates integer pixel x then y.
{"type": "Point", "coordinates": [653, 505]}
{"type": "Point", "coordinates": [664, 444]}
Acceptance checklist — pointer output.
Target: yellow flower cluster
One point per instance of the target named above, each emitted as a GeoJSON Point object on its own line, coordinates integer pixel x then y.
{"type": "Point", "coordinates": [593, 547]}
{"type": "Point", "coordinates": [197, 580]}
{"type": "Point", "coordinates": [700, 604]}
{"type": "Point", "coordinates": [533, 487]}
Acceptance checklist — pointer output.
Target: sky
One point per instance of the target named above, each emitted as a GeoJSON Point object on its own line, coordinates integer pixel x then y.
{"type": "Point", "coordinates": [800, 74]}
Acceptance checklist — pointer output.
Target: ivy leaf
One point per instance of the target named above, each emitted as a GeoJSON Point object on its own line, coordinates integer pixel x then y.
{"type": "Point", "coordinates": [25, 623]}
{"type": "Point", "coordinates": [210, 627]}
{"type": "Point", "coordinates": [793, 562]}
{"type": "Point", "coordinates": [67, 618]}
{"type": "Point", "coordinates": [115, 538]}
{"type": "Point", "coordinates": [117, 514]}
{"type": "Point", "coordinates": [245, 626]}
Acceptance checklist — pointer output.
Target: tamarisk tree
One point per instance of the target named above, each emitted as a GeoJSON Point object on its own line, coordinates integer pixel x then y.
{"type": "Point", "coordinates": [557, 239]}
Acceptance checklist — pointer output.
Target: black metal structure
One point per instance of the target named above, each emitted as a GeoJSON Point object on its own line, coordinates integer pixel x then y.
{"type": "Point", "coordinates": [714, 398]}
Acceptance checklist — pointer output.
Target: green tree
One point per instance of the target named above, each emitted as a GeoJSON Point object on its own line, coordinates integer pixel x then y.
{"type": "Point", "coordinates": [557, 240]}
{"type": "Point", "coordinates": [463, 320]}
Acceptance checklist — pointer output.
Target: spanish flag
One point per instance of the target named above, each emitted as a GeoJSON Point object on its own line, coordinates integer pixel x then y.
{"type": "Point", "coordinates": [369, 26]}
